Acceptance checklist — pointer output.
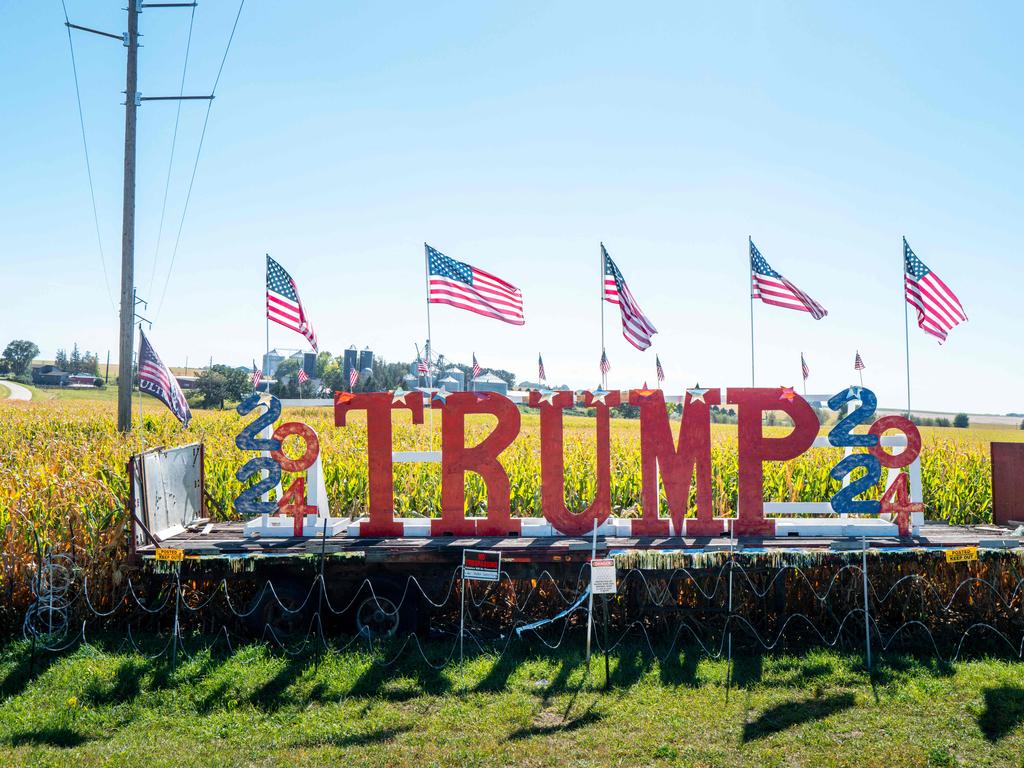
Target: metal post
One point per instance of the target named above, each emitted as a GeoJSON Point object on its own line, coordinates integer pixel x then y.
{"type": "Point", "coordinates": [604, 376]}
{"type": "Point", "coordinates": [127, 341]}
{"type": "Point", "coordinates": [607, 618]}
{"type": "Point", "coordinates": [106, 375]}
{"type": "Point", "coordinates": [867, 615]}
{"type": "Point", "coordinates": [749, 278]}
{"type": "Point", "coordinates": [728, 667]}
{"type": "Point", "coordinates": [430, 379]}
{"type": "Point", "coordinates": [590, 599]}
{"type": "Point", "coordinates": [462, 606]}
{"type": "Point", "coordinates": [906, 321]}
{"type": "Point", "coordinates": [177, 605]}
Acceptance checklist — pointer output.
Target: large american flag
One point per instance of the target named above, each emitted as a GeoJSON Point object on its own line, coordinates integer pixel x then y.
{"type": "Point", "coordinates": [858, 363]}
{"type": "Point", "coordinates": [256, 376]}
{"type": "Point", "coordinates": [804, 367]}
{"type": "Point", "coordinates": [938, 308]}
{"type": "Point", "coordinates": [156, 379]}
{"type": "Point", "coordinates": [283, 304]}
{"type": "Point", "coordinates": [637, 329]}
{"type": "Point", "coordinates": [464, 286]}
{"type": "Point", "coordinates": [476, 366]}
{"type": "Point", "coordinates": [605, 365]}
{"type": "Point", "coordinates": [772, 288]}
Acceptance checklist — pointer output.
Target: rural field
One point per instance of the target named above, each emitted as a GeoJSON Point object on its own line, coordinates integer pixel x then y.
{"type": "Point", "coordinates": [63, 476]}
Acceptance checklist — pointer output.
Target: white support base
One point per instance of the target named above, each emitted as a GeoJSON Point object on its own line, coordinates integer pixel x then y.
{"type": "Point", "coordinates": [835, 527]}
{"type": "Point", "coordinates": [530, 528]}
{"type": "Point", "coordinates": [281, 527]}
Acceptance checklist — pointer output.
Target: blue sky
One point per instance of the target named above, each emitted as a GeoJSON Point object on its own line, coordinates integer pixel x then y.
{"type": "Point", "coordinates": [517, 137]}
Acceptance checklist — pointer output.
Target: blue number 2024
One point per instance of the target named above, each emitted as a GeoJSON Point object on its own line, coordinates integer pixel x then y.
{"type": "Point", "coordinates": [845, 501]}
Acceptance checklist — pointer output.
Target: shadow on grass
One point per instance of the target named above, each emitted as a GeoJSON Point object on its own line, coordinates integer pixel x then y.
{"type": "Point", "coordinates": [50, 736]}
{"type": "Point", "coordinates": [353, 739]}
{"type": "Point", "coordinates": [25, 670]}
{"type": "Point", "coordinates": [124, 688]}
{"type": "Point", "coordinates": [680, 668]}
{"type": "Point", "coordinates": [374, 682]}
{"type": "Point", "coordinates": [1004, 711]}
{"type": "Point", "coordinates": [784, 716]}
{"type": "Point", "coordinates": [565, 726]}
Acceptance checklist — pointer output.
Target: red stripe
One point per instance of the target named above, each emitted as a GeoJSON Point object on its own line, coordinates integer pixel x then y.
{"type": "Point", "coordinates": [488, 296]}
{"type": "Point", "coordinates": [440, 294]}
{"type": "Point", "coordinates": [477, 310]}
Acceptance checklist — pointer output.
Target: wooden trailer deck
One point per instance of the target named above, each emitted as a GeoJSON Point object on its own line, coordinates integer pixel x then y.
{"type": "Point", "coordinates": [227, 539]}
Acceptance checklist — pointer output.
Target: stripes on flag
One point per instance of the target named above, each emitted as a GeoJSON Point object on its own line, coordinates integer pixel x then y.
{"type": "Point", "coordinates": [658, 369]}
{"type": "Point", "coordinates": [805, 369]}
{"type": "Point", "coordinates": [938, 308]}
{"type": "Point", "coordinates": [540, 369]}
{"type": "Point", "coordinates": [303, 377]}
{"type": "Point", "coordinates": [463, 286]}
{"type": "Point", "coordinates": [256, 376]}
{"type": "Point", "coordinates": [283, 304]}
{"type": "Point", "coordinates": [605, 365]}
{"type": "Point", "coordinates": [353, 377]}
{"type": "Point", "coordinates": [156, 379]}
{"type": "Point", "coordinates": [858, 363]}
{"type": "Point", "coordinates": [476, 367]}
{"type": "Point", "coordinates": [636, 328]}
{"type": "Point", "coordinates": [772, 288]}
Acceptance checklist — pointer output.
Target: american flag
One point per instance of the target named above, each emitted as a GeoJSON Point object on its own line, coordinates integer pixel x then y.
{"type": "Point", "coordinates": [283, 304]}
{"type": "Point", "coordinates": [772, 288]}
{"type": "Point", "coordinates": [303, 377]}
{"type": "Point", "coordinates": [637, 329]}
{"type": "Point", "coordinates": [858, 364]}
{"type": "Point", "coordinates": [422, 366]}
{"type": "Point", "coordinates": [256, 376]}
{"type": "Point", "coordinates": [476, 366]}
{"type": "Point", "coordinates": [540, 369]}
{"type": "Point", "coordinates": [938, 308]}
{"type": "Point", "coordinates": [804, 367]}
{"type": "Point", "coordinates": [156, 379]}
{"type": "Point", "coordinates": [605, 365]}
{"type": "Point", "coordinates": [353, 377]}
{"type": "Point", "coordinates": [660, 371]}
{"type": "Point", "coordinates": [465, 287]}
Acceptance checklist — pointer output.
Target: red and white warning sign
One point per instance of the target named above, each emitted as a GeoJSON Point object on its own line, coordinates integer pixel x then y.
{"type": "Point", "coordinates": [602, 576]}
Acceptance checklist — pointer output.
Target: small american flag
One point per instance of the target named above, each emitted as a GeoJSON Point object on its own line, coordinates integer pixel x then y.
{"type": "Point", "coordinates": [353, 377]}
{"type": "Point", "coordinates": [605, 365]}
{"type": "Point", "coordinates": [156, 379]}
{"type": "Point", "coordinates": [540, 369]}
{"type": "Point", "coordinates": [660, 371]}
{"type": "Point", "coordinates": [636, 328]}
{"type": "Point", "coordinates": [464, 286]}
{"type": "Point", "coordinates": [303, 376]}
{"type": "Point", "coordinates": [858, 363]}
{"type": "Point", "coordinates": [283, 304]}
{"type": "Point", "coordinates": [422, 366]}
{"type": "Point", "coordinates": [938, 308]}
{"type": "Point", "coordinates": [257, 375]}
{"type": "Point", "coordinates": [804, 367]}
{"type": "Point", "coordinates": [772, 288]}
{"type": "Point", "coordinates": [476, 367]}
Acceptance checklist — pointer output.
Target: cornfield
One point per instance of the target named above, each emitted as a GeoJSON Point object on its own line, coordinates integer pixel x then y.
{"type": "Point", "coordinates": [63, 481]}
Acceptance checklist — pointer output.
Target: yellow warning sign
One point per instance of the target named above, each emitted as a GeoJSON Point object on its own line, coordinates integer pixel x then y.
{"type": "Point", "coordinates": [170, 555]}
{"type": "Point", "coordinates": [961, 555]}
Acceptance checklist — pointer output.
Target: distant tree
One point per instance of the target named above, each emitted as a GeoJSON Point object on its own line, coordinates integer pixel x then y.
{"type": "Point", "coordinates": [75, 361]}
{"type": "Point", "coordinates": [222, 382]}
{"type": "Point", "coordinates": [1022, 424]}
{"type": "Point", "coordinates": [324, 361]}
{"type": "Point", "coordinates": [287, 379]}
{"type": "Point", "coordinates": [61, 361]}
{"type": "Point", "coordinates": [18, 357]}
{"type": "Point", "coordinates": [961, 421]}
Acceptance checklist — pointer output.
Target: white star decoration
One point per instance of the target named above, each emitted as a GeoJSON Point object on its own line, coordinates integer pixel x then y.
{"type": "Point", "coordinates": [441, 394]}
{"type": "Point", "coordinates": [398, 396]}
{"type": "Point", "coordinates": [697, 394]}
{"type": "Point", "coordinates": [265, 398]}
{"type": "Point", "coordinates": [598, 396]}
{"type": "Point", "coordinates": [548, 396]}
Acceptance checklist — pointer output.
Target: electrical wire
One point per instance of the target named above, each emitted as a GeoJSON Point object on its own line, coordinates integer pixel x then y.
{"type": "Point", "coordinates": [174, 141]}
{"type": "Point", "coordinates": [195, 165]}
{"type": "Point", "coordinates": [88, 164]}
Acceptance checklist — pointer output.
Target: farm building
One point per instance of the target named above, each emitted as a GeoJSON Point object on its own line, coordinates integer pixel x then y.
{"type": "Point", "coordinates": [49, 376]}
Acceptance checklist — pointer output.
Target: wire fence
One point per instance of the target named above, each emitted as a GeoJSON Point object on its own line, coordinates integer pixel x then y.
{"type": "Point", "coordinates": [910, 603]}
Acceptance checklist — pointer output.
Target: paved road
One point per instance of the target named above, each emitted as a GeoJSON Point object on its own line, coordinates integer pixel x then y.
{"type": "Point", "coordinates": [18, 392]}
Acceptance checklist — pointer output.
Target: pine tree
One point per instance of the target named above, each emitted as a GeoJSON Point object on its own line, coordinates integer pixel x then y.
{"type": "Point", "coordinates": [75, 362]}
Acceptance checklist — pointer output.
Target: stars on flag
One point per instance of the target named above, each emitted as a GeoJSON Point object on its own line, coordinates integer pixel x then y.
{"type": "Point", "coordinates": [938, 308]}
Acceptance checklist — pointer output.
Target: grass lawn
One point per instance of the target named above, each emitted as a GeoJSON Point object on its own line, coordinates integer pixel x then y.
{"type": "Point", "coordinates": [4, 391]}
{"type": "Point", "coordinates": [255, 707]}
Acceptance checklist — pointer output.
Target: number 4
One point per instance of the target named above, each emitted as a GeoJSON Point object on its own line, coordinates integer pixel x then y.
{"type": "Point", "coordinates": [896, 502]}
{"type": "Point", "coordinates": [293, 504]}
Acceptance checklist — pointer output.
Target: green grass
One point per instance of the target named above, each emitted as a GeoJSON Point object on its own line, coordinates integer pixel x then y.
{"type": "Point", "coordinates": [254, 707]}
{"type": "Point", "coordinates": [4, 391]}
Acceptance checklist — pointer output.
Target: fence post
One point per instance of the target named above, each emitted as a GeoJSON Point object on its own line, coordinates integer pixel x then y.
{"type": "Point", "coordinates": [867, 615]}
{"type": "Point", "coordinates": [590, 600]}
{"type": "Point", "coordinates": [177, 604]}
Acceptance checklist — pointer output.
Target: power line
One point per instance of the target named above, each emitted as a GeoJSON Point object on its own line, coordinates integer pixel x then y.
{"type": "Point", "coordinates": [88, 164]}
{"type": "Point", "coordinates": [170, 162]}
{"type": "Point", "coordinates": [195, 166]}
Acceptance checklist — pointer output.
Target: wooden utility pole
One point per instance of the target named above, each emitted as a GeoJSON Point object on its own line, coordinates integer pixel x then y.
{"type": "Point", "coordinates": [127, 335]}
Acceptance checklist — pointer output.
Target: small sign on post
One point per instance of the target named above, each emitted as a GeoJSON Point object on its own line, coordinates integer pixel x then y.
{"type": "Point", "coordinates": [169, 555]}
{"type": "Point", "coordinates": [961, 555]}
{"type": "Point", "coordinates": [602, 576]}
{"type": "Point", "coordinates": [481, 565]}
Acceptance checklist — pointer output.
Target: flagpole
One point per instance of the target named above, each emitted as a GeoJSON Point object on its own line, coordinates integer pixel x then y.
{"type": "Point", "coordinates": [430, 379]}
{"type": "Point", "coordinates": [906, 320]}
{"type": "Point", "coordinates": [604, 376]}
{"type": "Point", "coordinates": [749, 278]}
{"type": "Point", "coordinates": [266, 359]}
{"type": "Point", "coordinates": [802, 373]}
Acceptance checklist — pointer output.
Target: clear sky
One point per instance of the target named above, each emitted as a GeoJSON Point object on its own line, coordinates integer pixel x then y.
{"type": "Point", "coordinates": [517, 136]}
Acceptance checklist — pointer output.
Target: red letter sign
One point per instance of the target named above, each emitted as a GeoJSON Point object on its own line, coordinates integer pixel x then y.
{"type": "Point", "coordinates": [457, 459]}
{"type": "Point", "coordinates": [755, 448]}
{"type": "Point", "coordinates": [378, 407]}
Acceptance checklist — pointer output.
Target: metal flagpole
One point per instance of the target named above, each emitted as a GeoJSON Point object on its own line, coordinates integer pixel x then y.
{"type": "Point", "coordinates": [802, 373]}
{"type": "Point", "coordinates": [266, 360]}
{"type": "Point", "coordinates": [604, 376]}
{"type": "Point", "coordinates": [430, 380]}
{"type": "Point", "coordinates": [749, 279]}
{"type": "Point", "coordinates": [906, 319]}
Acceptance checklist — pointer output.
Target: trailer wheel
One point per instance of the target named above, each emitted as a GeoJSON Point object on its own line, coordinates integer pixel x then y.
{"type": "Point", "coordinates": [377, 618]}
{"type": "Point", "coordinates": [389, 610]}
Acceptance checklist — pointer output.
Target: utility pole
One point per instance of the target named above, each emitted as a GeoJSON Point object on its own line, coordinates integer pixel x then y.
{"type": "Point", "coordinates": [132, 99]}
{"type": "Point", "coordinates": [127, 340]}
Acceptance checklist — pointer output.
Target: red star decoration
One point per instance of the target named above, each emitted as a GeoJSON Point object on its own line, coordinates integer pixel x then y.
{"type": "Point", "coordinates": [788, 393]}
